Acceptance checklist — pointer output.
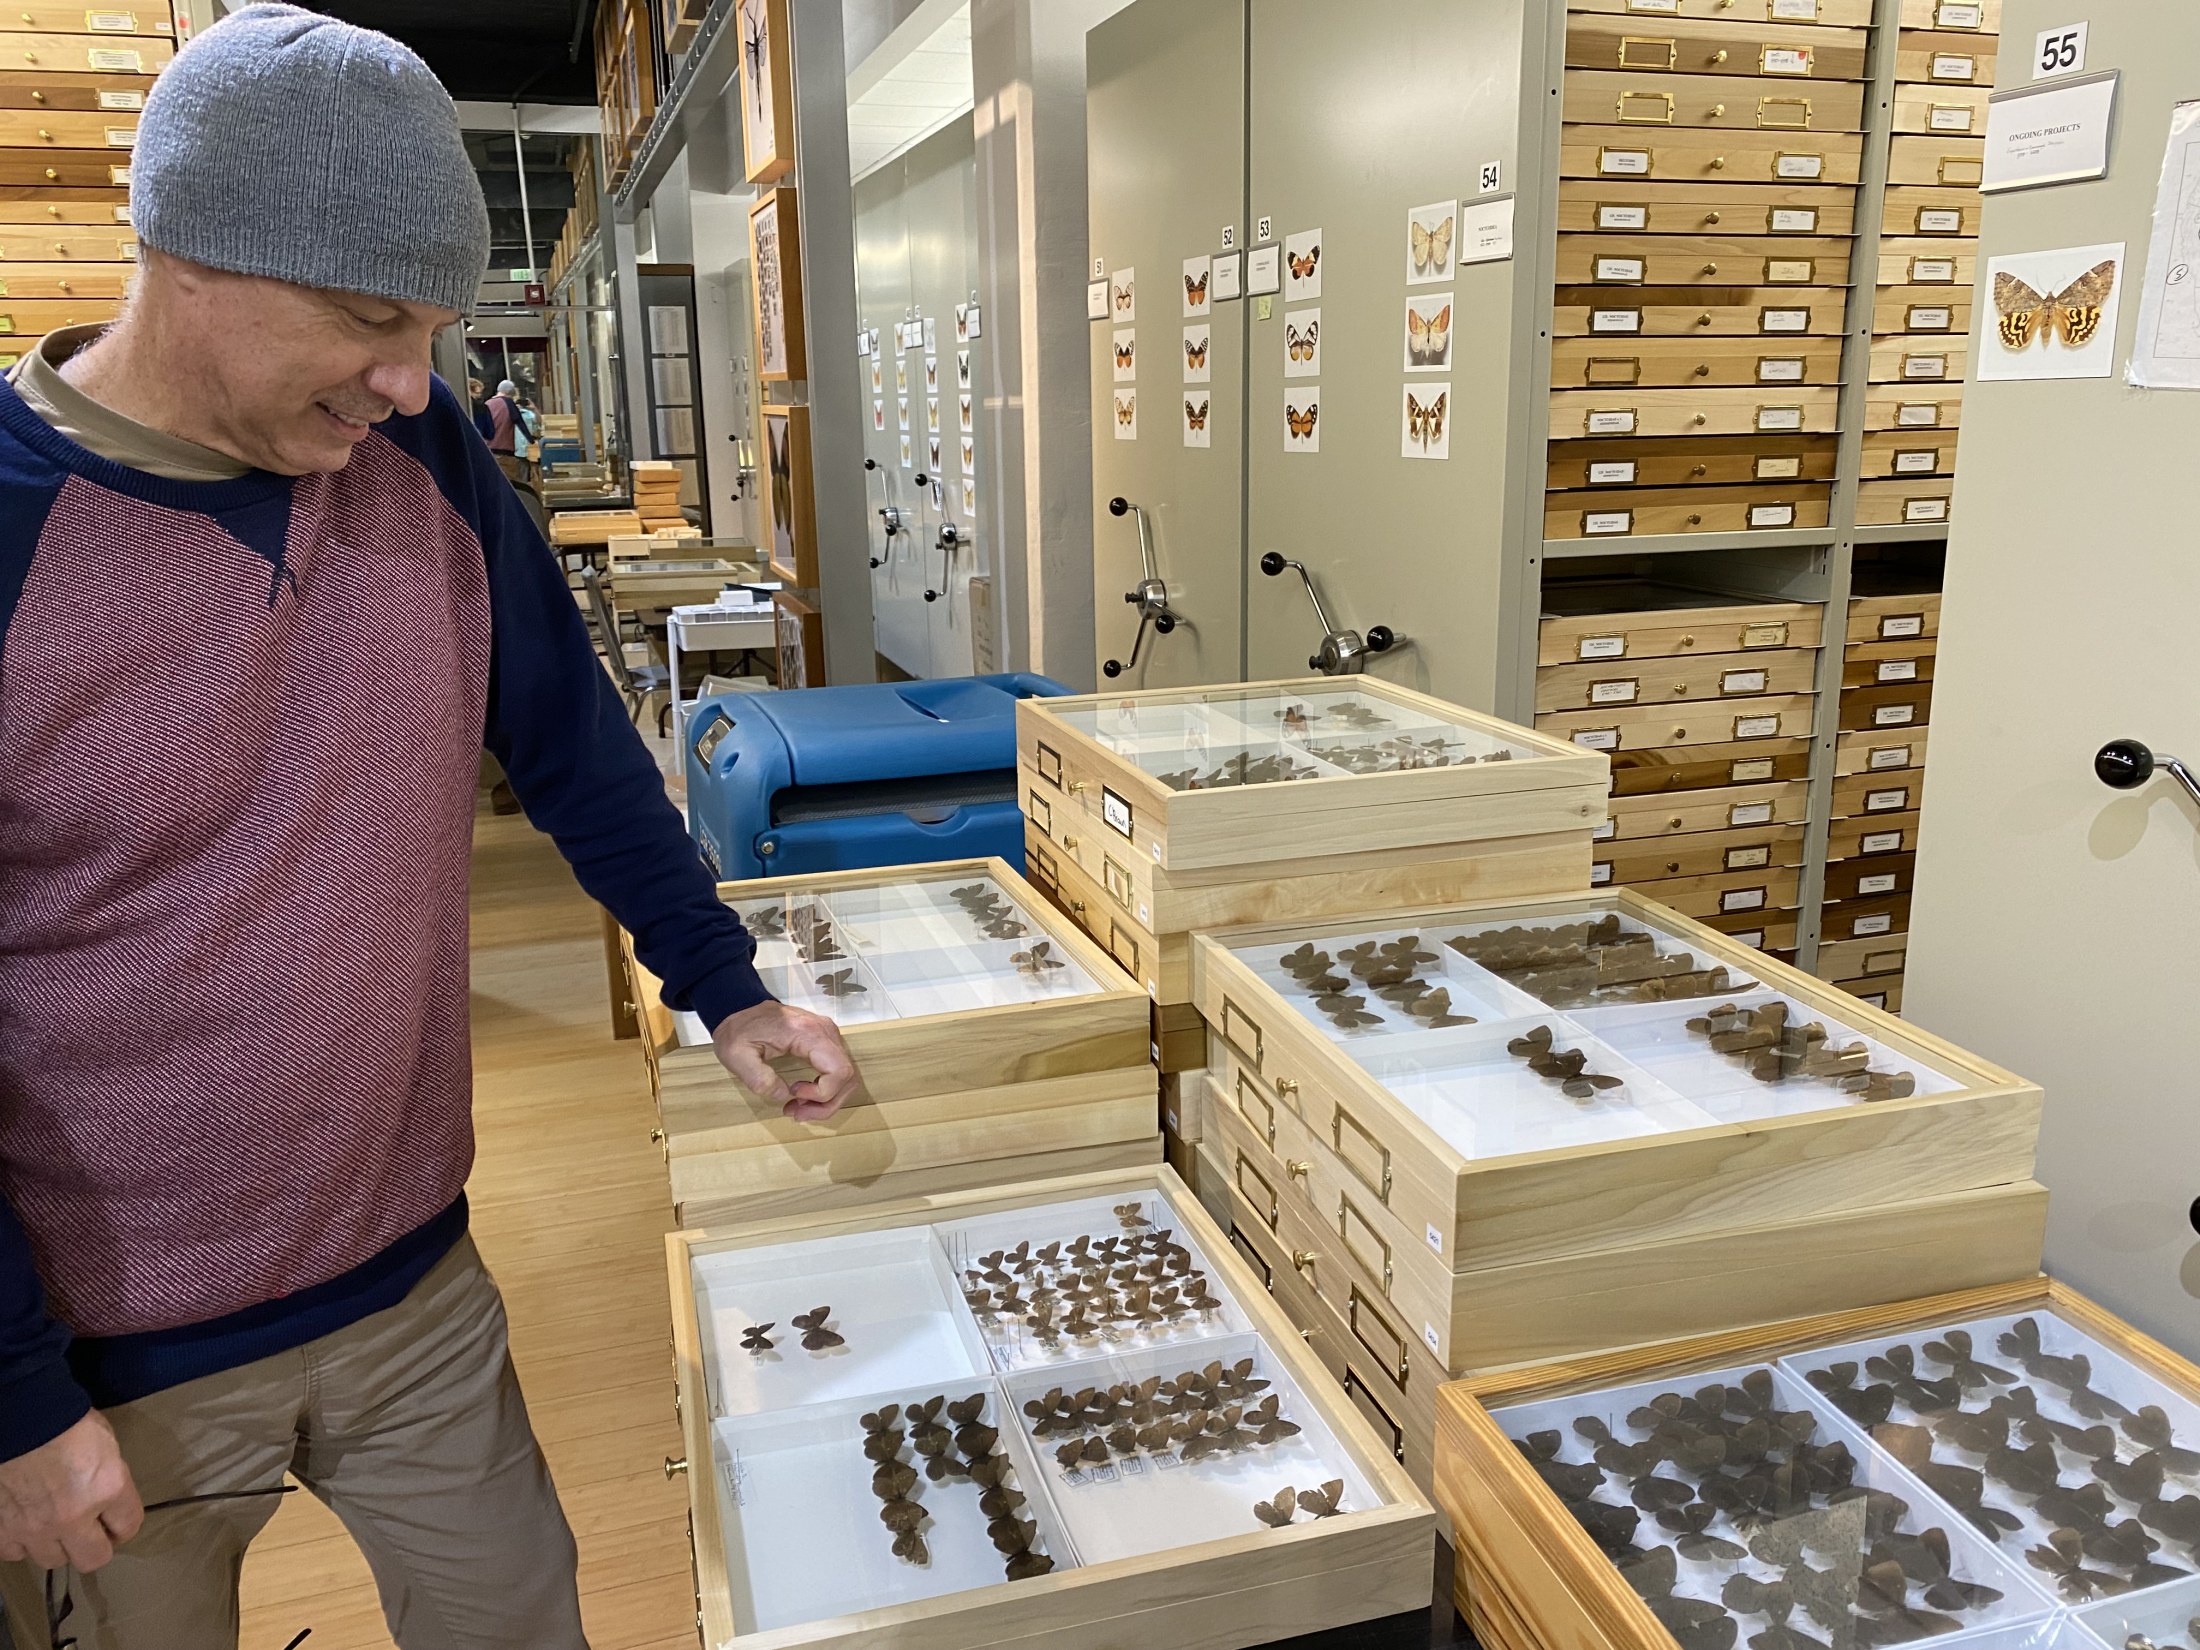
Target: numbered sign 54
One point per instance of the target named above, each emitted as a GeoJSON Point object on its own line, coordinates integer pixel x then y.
{"type": "Point", "coordinates": [2060, 51]}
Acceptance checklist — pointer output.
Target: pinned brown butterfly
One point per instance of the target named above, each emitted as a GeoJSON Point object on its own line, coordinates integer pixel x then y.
{"type": "Point", "coordinates": [756, 1338]}
{"type": "Point", "coordinates": [2024, 313]}
{"type": "Point", "coordinates": [815, 1336]}
{"type": "Point", "coordinates": [1425, 421]}
{"type": "Point", "coordinates": [1428, 337]}
{"type": "Point", "coordinates": [1038, 960]}
{"type": "Point", "coordinates": [1301, 424]}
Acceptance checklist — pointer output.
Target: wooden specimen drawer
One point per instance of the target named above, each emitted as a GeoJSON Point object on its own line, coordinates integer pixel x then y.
{"type": "Point", "coordinates": [1670, 631]}
{"type": "Point", "coordinates": [1772, 932]}
{"type": "Point", "coordinates": [776, 1472]}
{"type": "Point", "coordinates": [1921, 211]}
{"type": "Point", "coordinates": [38, 316]}
{"type": "Point", "coordinates": [1860, 795]}
{"type": "Point", "coordinates": [41, 17]}
{"type": "Point", "coordinates": [1972, 17]}
{"type": "Point", "coordinates": [145, 54]}
{"type": "Point", "coordinates": [1693, 362]}
{"type": "Point", "coordinates": [1939, 407]}
{"type": "Point", "coordinates": [1614, 206]}
{"type": "Point", "coordinates": [1638, 818]}
{"type": "Point", "coordinates": [1701, 260]}
{"type": "Point", "coordinates": [1868, 838]}
{"type": "Point", "coordinates": [1913, 360]}
{"type": "Point", "coordinates": [1617, 314]}
{"type": "Point", "coordinates": [113, 208]}
{"type": "Point", "coordinates": [1851, 14]}
{"type": "Point", "coordinates": [1688, 461]}
{"type": "Point", "coordinates": [1655, 727]}
{"type": "Point", "coordinates": [1753, 411]}
{"type": "Point", "coordinates": [1921, 261]}
{"type": "Point", "coordinates": [1868, 918]}
{"type": "Point", "coordinates": [1894, 453]}
{"type": "Point", "coordinates": [1782, 52]}
{"type": "Point", "coordinates": [68, 281]}
{"type": "Point", "coordinates": [1942, 312]}
{"type": "Point", "coordinates": [1884, 994]}
{"type": "Point", "coordinates": [1938, 110]}
{"type": "Point", "coordinates": [1727, 893]}
{"type": "Point", "coordinates": [1763, 506]}
{"type": "Point", "coordinates": [68, 243]}
{"type": "Point", "coordinates": [88, 169]}
{"type": "Point", "coordinates": [1470, 1232]}
{"type": "Point", "coordinates": [1720, 103]}
{"type": "Point", "coordinates": [1707, 853]}
{"type": "Point", "coordinates": [1858, 879]}
{"type": "Point", "coordinates": [1944, 60]}
{"type": "Point", "coordinates": [1862, 959]}
{"type": "Point", "coordinates": [1695, 154]}
{"type": "Point", "coordinates": [1678, 769]}
{"type": "Point", "coordinates": [1876, 664]}
{"type": "Point", "coordinates": [1664, 681]}
{"type": "Point", "coordinates": [1925, 502]}
{"type": "Point", "coordinates": [1941, 162]}
{"type": "Point", "coordinates": [1896, 705]}
{"type": "Point", "coordinates": [112, 93]}
{"type": "Point", "coordinates": [1893, 617]}
{"type": "Point", "coordinates": [1878, 753]}
{"type": "Point", "coordinates": [65, 129]}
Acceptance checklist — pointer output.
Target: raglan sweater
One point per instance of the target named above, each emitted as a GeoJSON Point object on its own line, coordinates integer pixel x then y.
{"type": "Point", "coordinates": [240, 733]}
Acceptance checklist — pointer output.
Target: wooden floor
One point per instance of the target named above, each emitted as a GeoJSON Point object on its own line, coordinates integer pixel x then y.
{"type": "Point", "coordinates": [569, 1204]}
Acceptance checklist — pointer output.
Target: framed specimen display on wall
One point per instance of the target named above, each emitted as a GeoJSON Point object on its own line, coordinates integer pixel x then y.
{"type": "Point", "coordinates": [775, 255]}
{"type": "Point", "coordinates": [790, 504]}
{"type": "Point", "coordinates": [767, 91]}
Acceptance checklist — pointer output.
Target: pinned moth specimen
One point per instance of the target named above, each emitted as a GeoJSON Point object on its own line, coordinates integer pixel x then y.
{"type": "Point", "coordinates": [925, 1430]}
{"type": "Point", "coordinates": [1305, 962]}
{"type": "Point", "coordinates": [1325, 1502]}
{"type": "Point", "coordinates": [767, 922]}
{"type": "Point", "coordinates": [1884, 1590]}
{"type": "Point", "coordinates": [1132, 1215]}
{"type": "Point", "coordinates": [842, 982]}
{"type": "Point", "coordinates": [906, 1519]}
{"type": "Point", "coordinates": [1348, 1013]}
{"type": "Point", "coordinates": [1627, 1460]}
{"type": "Point", "coordinates": [1568, 1480]}
{"type": "Point", "coordinates": [1082, 1452]}
{"type": "Point", "coordinates": [2030, 1472]}
{"type": "Point", "coordinates": [1962, 1488]}
{"type": "Point", "coordinates": [812, 933]}
{"type": "Point", "coordinates": [1269, 1426]}
{"type": "Point", "coordinates": [1660, 1494]}
{"type": "Point", "coordinates": [882, 1420]}
{"type": "Point", "coordinates": [893, 1480]}
{"type": "Point", "coordinates": [815, 1336]}
{"type": "Point", "coordinates": [2063, 1558]}
{"type": "Point", "coordinates": [1977, 1431]}
{"type": "Point", "coordinates": [2129, 1547]}
{"type": "Point", "coordinates": [1697, 1624]}
{"type": "Point", "coordinates": [1925, 1559]}
{"type": "Point", "coordinates": [1897, 1366]}
{"type": "Point", "coordinates": [2083, 1507]}
{"type": "Point", "coordinates": [2150, 1428]}
{"type": "Point", "coordinates": [1691, 1525]}
{"type": "Point", "coordinates": [1433, 1008]}
{"type": "Point", "coordinates": [1279, 1510]}
{"type": "Point", "coordinates": [1954, 1350]}
{"type": "Point", "coordinates": [1566, 1067]}
{"type": "Point", "coordinates": [2139, 1481]}
{"type": "Point", "coordinates": [1611, 1528]}
{"type": "Point", "coordinates": [757, 1338]}
{"type": "Point", "coordinates": [1038, 960]}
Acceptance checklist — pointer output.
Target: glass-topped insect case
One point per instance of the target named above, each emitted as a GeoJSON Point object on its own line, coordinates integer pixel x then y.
{"type": "Point", "coordinates": [1059, 1413]}
{"type": "Point", "coordinates": [1155, 814]}
{"type": "Point", "coordinates": [2007, 1467]}
{"type": "Point", "coordinates": [1551, 1126]}
{"type": "Point", "coordinates": [995, 1043]}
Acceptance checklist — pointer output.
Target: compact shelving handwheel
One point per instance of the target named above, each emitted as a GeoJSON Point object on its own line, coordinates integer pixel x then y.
{"type": "Point", "coordinates": [2126, 764]}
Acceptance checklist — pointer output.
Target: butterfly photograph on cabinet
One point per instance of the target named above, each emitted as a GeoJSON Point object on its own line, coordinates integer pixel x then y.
{"type": "Point", "coordinates": [1427, 429]}
{"type": "Point", "coordinates": [1126, 415]}
{"type": "Point", "coordinates": [962, 369]}
{"type": "Point", "coordinates": [1198, 280]}
{"type": "Point", "coordinates": [1428, 333]}
{"type": "Point", "coordinates": [1123, 295]}
{"type": "Point", "coordinates": [1126, 354]}
{"type": "Point", "coordinates": [1195, 354]}
{"type": "Point", "coordinates": [1429, 233]}
{"type": "Point", "coordinates": [970, 458]}
{"type": "Point", "coordinates": [2054, 313]}
{"type": "Point", "coordinates": [931, 375]}
{"type": "Point", "coordinates": [1195, 422]}
{"type": "Point", "coordinates": [1302, 422]}
{"type": "Point", "coordinates": [963, 413]}
{"type": "Point", "coordinates": [932, 414]}
{"type": "Point", "coordinates": [1302, 343]}
{"type": "Point", "coordinates": [934, 447]}
{"type": "Point", "coordinates": [1302, 266]}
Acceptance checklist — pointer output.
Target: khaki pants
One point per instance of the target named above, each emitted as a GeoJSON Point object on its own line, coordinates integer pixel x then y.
{"type": "Point", "coordinates": [409, 1425]}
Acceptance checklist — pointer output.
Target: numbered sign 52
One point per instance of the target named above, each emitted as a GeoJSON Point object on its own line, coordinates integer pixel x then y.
{"type": "Point", "coordinates": [2060, 51]}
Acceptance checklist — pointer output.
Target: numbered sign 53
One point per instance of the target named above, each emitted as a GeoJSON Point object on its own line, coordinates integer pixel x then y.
{"type": "Point", "coordinates": [2060, 51]}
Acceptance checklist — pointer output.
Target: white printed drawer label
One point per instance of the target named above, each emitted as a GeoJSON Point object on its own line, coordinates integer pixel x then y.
{"type": "Point", "coordinates": [110, 60]}
{"type": "Point", "coordinates": [1772, 515]}
{"type": "Point", "coordinates": [1888, 756]}
{"type": "Point", "coordinates": [1621, 692]}
{"type": "Point", "coordinates": [1604, 523]}
{"type": "Point", "coordinates": [1779, 469]}
{"type": "Point", "coordinates": [1624, 163]}
{"type": "Point", "coordinates": [1795, 11]}
{"type": "Point", "coordinates": [1895, 626]}
{"type": "Point", "coordinates": [1747, 769]}
{"type": "Point", "coordinates": [1779, 418]}
{"type": "Point", "coordinates": [1925, 509]}
{"type": "Point", "coordinates": [1749, 813]}
{"type": "Point", "coordinates": [1612, 421]}
{"type": "Point", "coordinates": [1917, 461]}
{"type": "Point", "coordinates": [127, 102]}
{"type": "Point", "coordinates": [1794, 220]}
{"type": "Point", "coordinates": [1953, 66]}
{"type": "Point", "coordinates": [1940, 220]}
{"type": "Point", "coordinates": [1756, 727]}
{"type": "Point", "coordinates": [1598, 739]}
{"type": "Point", "coordinates": [1799, 166]}
{"type": "Point", "coordinates": [1789, 271]}
{"type": "Point", "coordinates": [1600, 874]}
{"type": "Point", "coordinates": [1925, 366]}
{"type": "Point", "coordinates": [1881, 842]}
{"type": "Point", "coordinates": [1779, 369]}
{"type": "Point", "coordinates": [1950, 117]}
{"type": "Point", "coordinates": [1601, 647]}
{"type": "Point", "coordinates": [111, 22]}
{"type": "Point", "coordinates": [1615, 320]}
{"type": "Point", "coordinates": [1115, 811]}
{"type": "Point", "coordinates": [1748, 859]}
{"type": "Point", "coordinates": [1784, 320]}
{"type": "Point", "coordinates": [1897, 670]}
{"type": "Point", "coordinates": [1605, 832]}
{"type": "Point", "coordinates": [1881, 923]}
{"type": "Point", "coordinates": [1894, 716]}
{"type": "Point", "coordinates": [1784, 60]}
{"type": "Point", "coordinates": [1931, 318]}
{"type": "Point", "coordinates": [1742, 899]}
{"type": "Point", "coordinates": [1959, 14]}
{"type": "Point", "coordinates": [1742, 681]}
{"type": "Point", "coordinates": [1886, 802]}
{"type": "Point", "coordinates": [1884, 883]}
{"type": "Point", "coordinates": [1932, 271]}
{"type": "Point", "coordinates": [1618, 269]}
{"type": "Point", "coordinates": [1623, 217]}
{"type": "Point", "coordinates": [1616, 473]}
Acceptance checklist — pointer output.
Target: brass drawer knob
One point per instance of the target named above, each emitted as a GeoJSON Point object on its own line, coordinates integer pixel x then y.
{"type": "Point", "coordinates": [38, 97]}
{"type": "Point", "coordinates": [1719, 56]}
{"type": "Point", "coordinates": [1711, 217]}
{"type": "Point", "coordinates": [1076, 787]}
{"type": "Point", "coordinates": [1718, 163]}
{"type": "Point", "coordinates": [67, 286]}
{"type": "Point", "coordinates": [1285, 1085]}
{"type": "Point", "coordinates": [1672, 867]}
{"type": "Point", "coordinates": [1717, 109]}
{"type": "Point", "coordinates": [44, 136]}
{"type": "Point", "coordinates": [1674, 823]}
{"type": "Point", "coordinates": [1704, 319]}
{"type": "Point", "coordinates": [51, 174]}
{"type": "Point", "coordinates": [1688, 641]}
{"type": "Point", "coordinates": [1695, 521]}
{"type": "Point", "coordinates": [1711, 269]}
{"type": "Point", "coordinates": [656, 1137]}
{"type": "Point", "coordinates": [674, 1466]}
{"type": "Point", "coordinates": [1301, 1259]}
{"type": "Point", "coordinates": [1680, 733]}
{"type": "Point", "coordinates": [1703, 369]}
{"type": "Point", "coordinates": [1698, 470]}
{"type": "Point", "coordinates": [1076, 907]}
{"type": "Point", "coordinates": [1070, 843]}
{"type": "Point", "coordinates": [1701, 418]}
{"type": "Point", "coordinates": [1298, 1168]}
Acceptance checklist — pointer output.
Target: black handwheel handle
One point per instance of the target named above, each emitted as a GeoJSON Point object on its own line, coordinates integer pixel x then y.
{"type": "Point", "coordinates": [1119, 506]}
{"type": "Point", "coordinates": [2123, 764]}
{"type": "Point", "coordinates": [1113, 668]}
{"type": "Point", "coordinates": [869, 463]}
{"type": "Point", "coordinates": [931, 595]}
{"type": "Point", "coordinates": [876, 562]}
{"type": "Point", "coordinates": [1380, 638]}
{"type": "Point", "coordinates": [1272, 564]}
{"type": "Point", "coordinates": [1313, 661]}
{"type": "Point", "coordinates": [922, 481]}
{"type": "Point", "coordinates": [1163, 624]}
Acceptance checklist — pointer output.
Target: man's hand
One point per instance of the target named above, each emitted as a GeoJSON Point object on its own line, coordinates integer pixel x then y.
{"type": "Point", "coordinates": [747, 1042]}
{"type": "Point", "coordinates": [69, 1502]}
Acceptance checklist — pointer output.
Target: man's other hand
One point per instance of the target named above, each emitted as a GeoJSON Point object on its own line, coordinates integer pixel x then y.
{"type": "Point", "coordinates": [747, 1043]}
{"type": "Point", "coordinates": [70, 1502]}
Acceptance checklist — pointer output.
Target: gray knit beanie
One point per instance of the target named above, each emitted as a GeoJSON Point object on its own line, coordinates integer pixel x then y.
{"type": "Point", "coordinates": [288, 144]}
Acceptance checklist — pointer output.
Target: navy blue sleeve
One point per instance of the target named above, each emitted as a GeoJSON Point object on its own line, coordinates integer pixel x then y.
{"type": "Point", "coordinates": [484, 423]}
{"type": "Point", "coordinates": [574, 760]}
{"type": "Point", "coordinates": [39, 1399]}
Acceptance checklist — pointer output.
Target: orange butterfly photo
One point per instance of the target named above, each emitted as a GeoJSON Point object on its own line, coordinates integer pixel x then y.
{"type": "Point", "coordinates": [1428, 333]}
{"type": "Point", "coordinates": [1302, 421]}
{"type": "Point", "coordinates": [1123, 295]}
{"type": "Point", "coordinates": [1302, 266]}
{"type": "Point", "coordinates": [1302, 343]}
{"type": "Point", "coordinates": [1126, 355]}
{"type": "Point", "coordinates": [1198, 276]}
{"type": "Point", "coordinates": [1195, 421]}
{"type": "Point", "coordinates": [1126, 415]}
{"type": "Point", "coordinates": [1195, 354]}
{"type": "Point", "coordinates": [1426, 432]}
{"type": "Point", "coordinates": [2054, 313]}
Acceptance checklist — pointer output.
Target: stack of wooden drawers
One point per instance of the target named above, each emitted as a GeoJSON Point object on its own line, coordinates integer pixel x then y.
{"type": "Point", "coordinates": [656, 487]}
{"type": "Point", "coordinates": [1707, 204]}
{"type": "Point", "coordinates": [1151, 815]}
{"type": "Point", "coordinates": [1879, 775]}
{"type": "Point", "coordinates": [1705, 706]}
{"type": "Point", "coordinates": [1614, 1123]}
{"type": "Point", "coordinates": [72, 84]}
{"type": "Point", "coordinates": [1921, 313]}
{"type": "Point", "coordinates": [626, 81]}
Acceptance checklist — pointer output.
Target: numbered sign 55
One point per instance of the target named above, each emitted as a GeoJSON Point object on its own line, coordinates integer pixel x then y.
{"type": "Point", "coordinates": [2060, 51]}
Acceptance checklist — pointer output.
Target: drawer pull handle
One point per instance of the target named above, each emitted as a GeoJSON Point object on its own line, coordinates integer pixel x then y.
{"type": "Point", "coordinates": [1076, 907]}
{"type": "Point", "coordinates": [674, 1466]}
{"type": "Point", "coordinates": [1703, 369]}
{"type": "Point", "coordinates": [1049, 763]}
{"type": "Point", "coordinates": [1700, 418]}
{"type": "Point", "coordinates": [1248, 1094]}
{"type": "Point", "coordinates": [1648, 58]}
{"type": "Point", "coordinates": [1711, 269]}
{"type": "Point", "coordinates": [1298, 1168]}
{"type": "Point", "coordinates": [1719, 56]}
{"type": "Point", "coordinates": [1794, 113]}
{"type": "Point", "coordinates": [1704, 319]}
{"type": "Point", "coordinates": [1363, 1143]}
{"type": "Point", "coordinates": [1077, 787]}
{"type": "Point", "coordinates": [1396, 1355]}
{"type": "Point", "coordinates": [1656, 108]}
{"type": "Point", "coordinates": [1711, 217]}
{"type": "Point", "coordinates": [1242, 1032]}
{"type": "Point", "coordinates": [1287, 1085]}
{"type": "Point", "coordinates": [1070, 843]}
{"type": "Point", "coordinates": [1265, 1205]}
{"type": "Point", "coordinates": [1302, 1259]}
{"type": "Point", "coordinates": [1718, 163]}
{"type": "Point", "coordinates": [1717, 109]}
{"type": "Point", "coordinates": [656, 1137]}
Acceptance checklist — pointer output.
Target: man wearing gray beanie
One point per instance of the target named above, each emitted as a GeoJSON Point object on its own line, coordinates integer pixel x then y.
{"type": "Point", "coordinates": [235, 1084]}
